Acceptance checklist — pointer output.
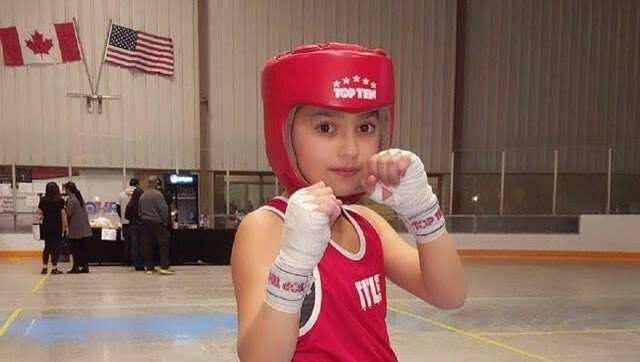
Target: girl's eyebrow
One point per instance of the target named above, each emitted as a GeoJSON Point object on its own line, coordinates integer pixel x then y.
{"type": "Point", "coordinates": [324, 112]}
{"type": "Point", "coordinates": [369, 114]}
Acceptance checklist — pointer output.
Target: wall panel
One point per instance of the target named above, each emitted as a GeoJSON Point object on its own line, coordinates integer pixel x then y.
{"type": "Point", "coordinates": [155, 125]}
{"type": "Point", "coordinates": [242, 34]}
{"type": "Point", "coordinates": [545, 75]}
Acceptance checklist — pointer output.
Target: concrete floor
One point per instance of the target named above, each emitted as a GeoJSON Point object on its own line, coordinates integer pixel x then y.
{"type": "Point", "coordinates": [520, 310]}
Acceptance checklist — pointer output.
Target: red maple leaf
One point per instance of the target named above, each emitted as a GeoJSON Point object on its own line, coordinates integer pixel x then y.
{"type": "Point", "coordinates": [39, 44]}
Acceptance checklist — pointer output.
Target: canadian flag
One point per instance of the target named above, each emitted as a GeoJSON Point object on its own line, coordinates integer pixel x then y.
{"type": "Point", "coordinates": [44, 44]}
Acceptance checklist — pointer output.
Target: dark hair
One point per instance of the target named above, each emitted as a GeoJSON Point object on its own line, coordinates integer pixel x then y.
{"type": "Point", "coordinates": [152, 181]}
{"type": "Point", "coordinates": [52, 190]}
{"type": "Point", "coordinates": [71, 188]}
{"type": "Point", "coordinates": [134, 181]}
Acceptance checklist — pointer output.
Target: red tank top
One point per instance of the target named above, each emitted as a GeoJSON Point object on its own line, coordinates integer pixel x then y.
{"type": "Point", "coordinates": [343, 317]}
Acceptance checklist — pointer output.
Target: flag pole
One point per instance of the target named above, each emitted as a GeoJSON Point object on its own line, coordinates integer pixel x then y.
{"type": "Point", "coordinates": [84, 59]}
{"type": "Point", "coordinates": [104, 53]}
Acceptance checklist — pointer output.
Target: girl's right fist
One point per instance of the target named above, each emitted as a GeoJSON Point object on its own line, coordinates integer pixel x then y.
{"type": "Point", "coordinates": [326, 201]}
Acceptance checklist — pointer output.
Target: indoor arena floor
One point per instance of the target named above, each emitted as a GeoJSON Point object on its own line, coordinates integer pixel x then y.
{"type": "Point", "coordinates": [516, 310]}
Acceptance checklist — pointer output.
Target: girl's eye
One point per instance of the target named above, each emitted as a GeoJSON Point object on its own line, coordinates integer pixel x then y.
{"type": "Point", "coordinates": [367, 128]}
{"type": "Point", "coordinates": [325, 128]}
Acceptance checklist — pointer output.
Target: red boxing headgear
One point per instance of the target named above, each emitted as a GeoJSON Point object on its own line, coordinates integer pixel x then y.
{"type": "Point", "coordinates": [342, 77]}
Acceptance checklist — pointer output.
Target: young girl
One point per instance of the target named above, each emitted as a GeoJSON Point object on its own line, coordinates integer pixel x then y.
{"type": "Point", "coordinates": [309, 267]}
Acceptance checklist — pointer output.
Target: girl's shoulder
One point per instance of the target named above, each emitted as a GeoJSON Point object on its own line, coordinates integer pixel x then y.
{"type": "Point", "coordinates": [262, 214]}
{"type": "Point", "coordinates": [258, 236]}
{"type": "Point", "coordinates": [261, 223]}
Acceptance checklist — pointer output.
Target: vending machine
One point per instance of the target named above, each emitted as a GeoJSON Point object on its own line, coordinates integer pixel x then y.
{"type": "Point", "coordinates": [183, 190]}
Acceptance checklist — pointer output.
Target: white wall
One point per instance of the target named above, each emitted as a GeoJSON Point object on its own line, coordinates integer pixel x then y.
{"type": "Point", "coordinates": [546, 74]}
{"type": "Point", "coordinates": [19, 242]}
{"type": "Point", "coordinates": [102, 185]}
{"type": "Point", "coordinates": [155, 124]}
{"type": "Point", "coordinates": [613, 233]}
{"type": "Point", "coordinates": [100, 189]}
{"type": "Point", "coordinates": [616, 233]}
{"type": "Point", "coordinates": [418, 35]}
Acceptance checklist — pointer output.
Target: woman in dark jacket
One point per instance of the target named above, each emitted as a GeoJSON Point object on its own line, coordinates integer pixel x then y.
{"type": "Point", "coordinates": [54, 226]}
{"type": "Point", "coordinates": [79, 228]}
{"type": "Point", "coordinates": [133, 231]}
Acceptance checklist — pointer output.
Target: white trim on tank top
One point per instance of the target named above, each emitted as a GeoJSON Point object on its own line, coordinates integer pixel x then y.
{"type": "Point", "coordinates": [363, 244]}
{"type": "Point", "coordinates": [361, 241]}
{"type": "Point", "coordinates": [317, 302]}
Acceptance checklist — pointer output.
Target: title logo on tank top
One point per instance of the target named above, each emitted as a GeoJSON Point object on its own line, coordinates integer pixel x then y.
{"type": "Point", "coordinates": [369, 291]}
{"type": "Point", "coordinates": [354, 87]}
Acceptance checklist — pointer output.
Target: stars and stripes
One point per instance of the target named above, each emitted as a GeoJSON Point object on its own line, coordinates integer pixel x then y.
{"type": "Point", "coordinates": [134, 49]}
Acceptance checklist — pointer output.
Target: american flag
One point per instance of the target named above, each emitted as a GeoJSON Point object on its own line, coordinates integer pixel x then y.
{"type": "Point", "coordinates": [146, 52]}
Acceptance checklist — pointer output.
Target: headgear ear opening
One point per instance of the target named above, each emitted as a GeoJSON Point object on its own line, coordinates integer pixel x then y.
{"type": "Point", "coordinates": [342, 77]}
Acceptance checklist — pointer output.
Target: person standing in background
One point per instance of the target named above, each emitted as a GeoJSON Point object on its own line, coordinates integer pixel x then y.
{"type": "Point", "coordinates": [54, 226]}
{"type": "Point", "coordinates": [121, 207]}
{"type": "Point", "coordinates": [133, 234]}
{"type": "Point", "coordinates": [167, 199]}
{"type": "Point", "coordinates": [79, 229]}
{"type": "Point", "coordinates": [154, 215]}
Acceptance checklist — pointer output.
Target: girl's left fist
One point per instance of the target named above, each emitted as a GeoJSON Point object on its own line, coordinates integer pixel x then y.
{"type": "Point", "coordinates": [397, 178]}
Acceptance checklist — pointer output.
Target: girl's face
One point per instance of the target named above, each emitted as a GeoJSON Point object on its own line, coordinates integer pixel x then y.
{"type": "Point", "coordinates": [334, 147]}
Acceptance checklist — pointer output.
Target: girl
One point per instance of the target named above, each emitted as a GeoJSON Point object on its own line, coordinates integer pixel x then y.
{"type": "Point", "coordinates": [309, 268]}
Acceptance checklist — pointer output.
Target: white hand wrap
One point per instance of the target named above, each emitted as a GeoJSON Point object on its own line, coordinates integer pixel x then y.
{"type": "Point", "coordinates": [414, 201]}
{"type": "Point", "coordinates": [306, 236]}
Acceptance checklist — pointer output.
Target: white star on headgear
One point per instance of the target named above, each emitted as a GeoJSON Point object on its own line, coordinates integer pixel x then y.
{"type": "Point", "coordinates": [365, 81]}
{"type": "Point", "coordinates": [356, 78]}
{"type": "Point", "coordinates": [336, 83]}
{"type": "Point", "coordinates": [345, 80]}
